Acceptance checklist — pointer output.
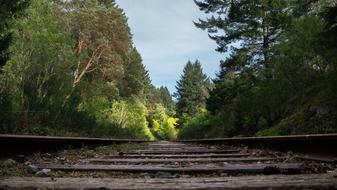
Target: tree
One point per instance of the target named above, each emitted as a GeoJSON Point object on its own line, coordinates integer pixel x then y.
{"type": "Point", "coordinates": [73, 71]}
{"type": "Point", "coordinates": [9, 9]}
{"type": "Point", "coordinates": [228, 84]}
{"type": "Point", "coordinates": [136, 80]}
{"type": "Point", "coordinates": [102, 39]}
{"type": "Point", "coordinates": [192, 90]}
{"type": "Point", "coordinates": [281, 67]}
{"type": "Point", "coordinates": [328, 39]}
{"type": "Point", "coordinates": [166, 99]}
{"type": "Point", "coordinates": [330, 18]}
{"type": "Point", "coordinates": [254, 25]}
{"type": "Point", "coordinates": [102, 43]}
{"type": "Point", "coordinates": [160, 96]}
{"type": "Point", "coordinates": [38, 73]}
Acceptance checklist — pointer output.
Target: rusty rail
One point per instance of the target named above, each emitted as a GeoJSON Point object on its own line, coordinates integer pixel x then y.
{"type": "Point", "coordinates": [27, 144]}
{"type": "Point", "coordinates": [321, 144]}
{"type": "Point", "coordinates": [318, 144]}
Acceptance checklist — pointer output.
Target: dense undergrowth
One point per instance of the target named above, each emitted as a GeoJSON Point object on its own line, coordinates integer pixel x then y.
{"type": "Point", "coordinates": [70, 68]}
{"type": "Point", "coordinates": [279, 82]}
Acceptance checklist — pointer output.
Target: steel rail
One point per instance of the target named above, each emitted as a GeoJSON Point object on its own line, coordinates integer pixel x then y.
{"type": "Point", "coordinates": [319, 144]}
{"type": "Point", "coordinates": [26, 144]}
{"type": "Point", "coordinates": [332, 136]}
{"type": "Point", "coordinates": [315, 144]}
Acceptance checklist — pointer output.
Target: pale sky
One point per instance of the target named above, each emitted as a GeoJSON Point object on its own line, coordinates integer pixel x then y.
{"type": "Point", "coordinates": [164, 34]}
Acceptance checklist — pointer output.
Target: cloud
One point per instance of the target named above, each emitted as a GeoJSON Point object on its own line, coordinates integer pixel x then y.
{"type": "Point", "coordinates": [165, 36]}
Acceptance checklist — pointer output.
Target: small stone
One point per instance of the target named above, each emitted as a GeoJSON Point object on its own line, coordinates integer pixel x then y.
{"type": "Point", "coordinates": [32, 168]}
{"type": "Point", "coordinates": [43, 173]}
{"type": "Point", "coordinates": [46, 170]}
{"type": "Point", "coordinates": [39, 174]}
{"type": "Point", "coordinates": [223, 174]}
{"type": "Point", "coordinates": [166, 175]}
{"type": "Point", "coordinates": [145, 175]}
{"type": "Point", "coordinates": [27, 163]}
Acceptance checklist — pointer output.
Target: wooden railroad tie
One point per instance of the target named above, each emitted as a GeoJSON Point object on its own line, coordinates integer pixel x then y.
{"type": "Point", "coordinates": [186, 166]}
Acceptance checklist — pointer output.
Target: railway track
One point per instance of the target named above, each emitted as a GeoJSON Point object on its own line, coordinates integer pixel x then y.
{"type": "Point", "coordinates": [26, 144]}
{"type": "Point", "coordinates": [183, 165]}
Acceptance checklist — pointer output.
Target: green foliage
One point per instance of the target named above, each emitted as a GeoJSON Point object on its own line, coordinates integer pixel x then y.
{"type": "Point", "coordinates": [273, 131]}
{"type": "Point", "coordinates": [200, 126]}
{"type": "Point", "coordinates": [73, 71]}
{"type": "Point", "coordinates": [166, 100]}
{"type": "Point", "coordinates": [161, 96]}
{"type": "Point", "coordinates": [256, 25]}
{"type": "Point", "coordinates": [37, 75]}
{"type": "Point", "coordinates": [9, 9]}
{"type": "Point", "coordinates": [136, 80]}
{"type": "Point", "coordinates": [119, 119]}
{"type": "Point", "coordinates": [327, 38]}
{"type": "Point", "coordinates": [192, 90]}
{"type": "Point", "coordinates": [294, 93]}
{"type": "Point", "coordinates": [95, 106]}
{"type": "Point", "coordinates": [163, 126]}
{"type": "Point", "coordinates": [306, 120]}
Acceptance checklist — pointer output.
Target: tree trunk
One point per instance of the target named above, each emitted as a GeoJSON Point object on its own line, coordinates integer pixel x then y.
{"type": "Point", "coordinates": [265, 46]}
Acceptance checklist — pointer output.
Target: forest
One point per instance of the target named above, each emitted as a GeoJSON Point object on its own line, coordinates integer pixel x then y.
{"type": "Point", "coordinates": [70, 68]}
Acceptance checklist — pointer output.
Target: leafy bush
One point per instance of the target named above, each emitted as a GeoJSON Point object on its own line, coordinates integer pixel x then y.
{"type": "Point", "coordinates": [163, 126]}
{"type": "Point", "coordinates": [201, 126]}
{"type": "Point", "coordinates": [120, 118]}
{"type": "Point", "coordinates": [307, 120]}
{"type": "Point", "coordinates": [274, 131]}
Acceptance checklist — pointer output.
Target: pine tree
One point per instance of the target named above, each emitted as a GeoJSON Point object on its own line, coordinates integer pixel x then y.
{"type": "Point", "coordinates": [166, 99]}
{"type": "Point", "coordinates": [192, 90]}
{"type": "Point", "coordinates": [255, 25]}
{"type": "Point", "coordinates": [136, 80]}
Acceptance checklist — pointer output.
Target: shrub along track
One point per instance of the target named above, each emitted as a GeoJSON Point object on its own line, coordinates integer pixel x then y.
{"type": "Point", "coordinates": [177, 165]}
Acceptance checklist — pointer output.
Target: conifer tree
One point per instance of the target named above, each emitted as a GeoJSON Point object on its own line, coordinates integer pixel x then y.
{"type": "Point", "coordinates": [255, 25]}
{"type": "Point", "coordinates": [136, 80]}
{"type": "Point", "coordinates": [192, 90]}
{"type": "Point", "coordinates": [166, 98]}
